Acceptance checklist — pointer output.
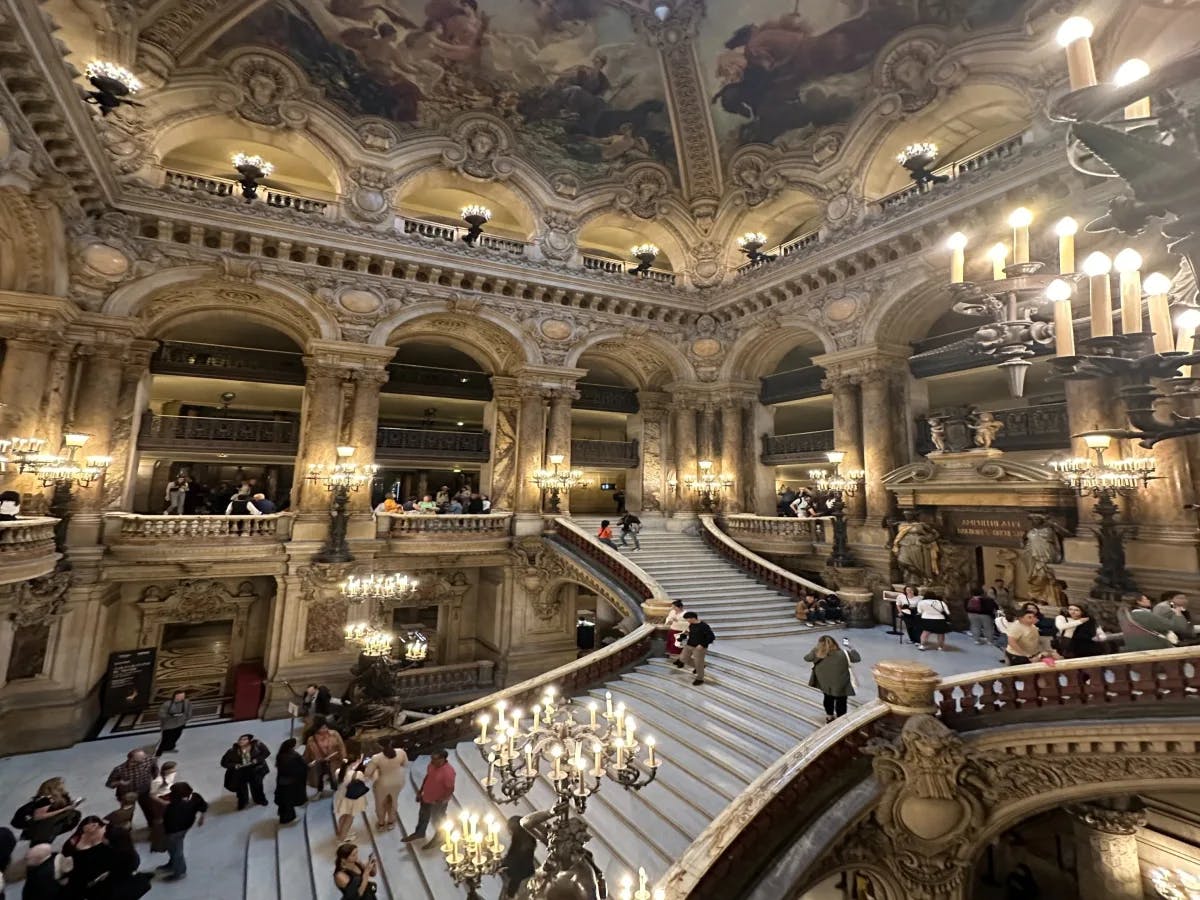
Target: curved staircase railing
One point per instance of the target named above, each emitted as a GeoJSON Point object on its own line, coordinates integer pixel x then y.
{"type": "Point", "coordinates": [789, 798]}
{"type": "Point", "coordinates": [655, 601]}
{"type": "Point", "coordinates": [762, 569]}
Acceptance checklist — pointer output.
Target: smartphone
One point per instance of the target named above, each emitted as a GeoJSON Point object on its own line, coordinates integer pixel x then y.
{"type": "Point", "coordinates": [846, 642]}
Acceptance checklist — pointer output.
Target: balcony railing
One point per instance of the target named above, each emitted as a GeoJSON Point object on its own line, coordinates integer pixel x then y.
{"type": "Point", "coordinates": [620, 267]}
{"type": "Point", "coordinates": [420, 525]}
{"type": "Point", "coordinates": [606, 397]}
{"type": "Point", "coordinates": [217, 361]}
{"type": "Point", "coordinates": [439, 232]}
{"type": "Point", "coordinates": [227, 187]}
{"type": "Point", "coordinates": [795, 384]}
{"type": "Point", "coordinates": [1042, 427]}
{"type": "Point", "coordinates": [803, 446]}
{"type": "Point", "coordinates": [27, 548]}
{"type": "Point", "coordinates": [613, 454]}
{"type": "Point", "coordinates": [217, 433]}
{"type": "Point", "coordinates": [741, 527]}
{"type": "Point", "coordinates": [758, 567]}
{"type": "Point", "coordinates": [438, 382]}
{"type": "Point", "coordinates": [128, 528]}
{"type": "Point", "coordinates": [440, 683]}
{"type": "Point", "coordinates": [427, 443]}
{"type": "Point", "coordinates": [973, 163]}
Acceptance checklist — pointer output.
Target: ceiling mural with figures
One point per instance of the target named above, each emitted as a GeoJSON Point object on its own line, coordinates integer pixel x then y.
{"type": "Point", "coordinates": [580, 88]}
{"type": "Point", "coordinates": [779, 70]}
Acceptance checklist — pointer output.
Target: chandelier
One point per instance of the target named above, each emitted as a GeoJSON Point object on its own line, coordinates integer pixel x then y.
{"type": "Point", "coordinates": [253, 168]}
{"type": "Point", "coordinates": [1175, 885]}
{"type": "Point", "coordinates": [751, 243]}
{"type": "Point", "coordinates": [834, 487]}
{"type": "Point", "coordinates": [343, 475]}
{"type": "Point", "coordinates": [476, 216]}
{"type": "Point", "coordinates": [705, 484]}
{"type": "Point", "coordinates": [558, 480]}
{"type": "Point", "coordinates": [113, 86]}
{"type": "Point", "coordinates": [358, 588]}
{"type": "Point", "coordinates": [1117, 477]}
{"type": "Point", "coordinates": [472, 849]}
{"type": "Point", "coordinates": [53, 469]}
{"type": "Point", "coordinates": [366, 630]}
{"type": "Point", "coordinates": [645, 254]}
{"type": "Point", "coordinates": [918, 158]}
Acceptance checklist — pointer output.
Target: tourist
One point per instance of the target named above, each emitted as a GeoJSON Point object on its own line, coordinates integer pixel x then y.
{"type": "Point", "coordinates": [350, 799]}
{"type": "Point", "coordinates": [242, 505]}
{"type": "Point", "coordinates": [475, 505]}
{"type": "Point", "coordinates": [699, 638]}
{"type": "Point", "coordinates": [173, 717]}
{"type": "Point", "coordinates": [454, 507]}
{"type": "Point", "coordinates": [434, 796]}
{"type": "Point", "coordinates": [619, 499]}
{"type": "Point", "coordinates": [783, 504]}
{"type": "Point", "coordinates": [832, 675]}
{"type": "Point", "coordinates": [1077, 635]}
{"type": "Point", "coordinates": [122, 816]}
{"type": "Point", "coordinates": [486, 502]}
{"type": "Point", "coordinates": [263, 505]}
{"type": "Point", "coordinates": [160, 795]}
{"type": "Point", "coordinates": [908, 604]}
{"type": "Point", "coordinates": [410, 505]}
{"type": "Point", "coordinates": [176, 495]}
{"type": "Point", "coordinates": [134, 776]}
{"type": "Point", "coordinates": [10, 506]}
{"type": "Point", "coordinates": [604, 535]}
{"type": "Point", "coordinates": [981, 613]}
{"type": "Point", "coordinates": [390, 506]}
{"type": "Point", "coordinates": [813, 610]}
{"type": "Point", "coordinates": [184, 809]}
{"type": "Point", "coordinates": [935, 620]}
{"type": "Point", "coordinates": [388, 771]}
{"type": "Point", "coordinates": [324, 752]}
{"type": "Point", "coordinates": [245, 765]}
{"type": "Point", "coordinates": [802, 505]}
{"type": "Point", "coordinates": [676, 628]}
{"type": "Point", "coordinates": [443, 495]}
{"type": "Point", "coordinates": [351, 875]}
{"type": "Point", "coordinates": [519, 862]}
{"type": "Point", "coordinates": [1024, 644]}
{"type": "Point", "coordinates": [43, 871]}
{"type": "Point", "coordinates": [1172, 606]}
{"type": "Point", "coordinates": [50, 813]}
{"type": "Point", "coordinates": [103, 863]}
{"type": "Point", "coordinates": [427, 505]}
{"type": "Point", "coordinates": [1144, 630]}
{"type": "Point", "coordinates": [291, 781]}
{"type": "Point", "coordinates": [631, 525]}
{"type": "Point", "coordinates": [1000, 594]}
{"type": "Point", "coordinates": [8, 843]}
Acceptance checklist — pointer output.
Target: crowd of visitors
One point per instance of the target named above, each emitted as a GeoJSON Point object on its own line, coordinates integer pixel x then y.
{"type": "Point", "coordinates": [444, 503]}
{"type": "Point", "coordinates": [185, 496]}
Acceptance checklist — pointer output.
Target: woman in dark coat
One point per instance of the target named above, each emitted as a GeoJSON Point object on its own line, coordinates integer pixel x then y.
{"type": "Point", "coordinates": [1076, 633]}
{"type": "Point", "coordinates": [831, 673]}
{"type": "Point", "coordinates": [291, 779]}
{"type": "Point", "coordinates": [245, 765]}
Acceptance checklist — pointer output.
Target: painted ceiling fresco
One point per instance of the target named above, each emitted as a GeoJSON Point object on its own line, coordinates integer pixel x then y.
{"type": "Point", "coordinates": [580, 88]}
{"type": "Point", "coordinates": [778, 69]}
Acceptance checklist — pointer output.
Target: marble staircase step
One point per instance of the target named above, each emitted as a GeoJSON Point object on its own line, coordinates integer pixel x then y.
{"type": "Point", "coordinates": [751, 696]}
{"type": "Point", "coordinates": [429, 864]}
{"type": "Point", "coordinates": [292, 859]}
{"type": "Point", "coordinates": [262, 862]}
{"type": "Point", "coordinates": [321, 830]}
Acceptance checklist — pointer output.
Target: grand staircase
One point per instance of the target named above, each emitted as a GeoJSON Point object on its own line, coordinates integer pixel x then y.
{"type": "Point", "coordinates": [714, 740]}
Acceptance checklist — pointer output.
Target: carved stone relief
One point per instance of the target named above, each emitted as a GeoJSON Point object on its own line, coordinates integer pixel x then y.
{"type": "Point", "coordinates": [646, 189]}
{"type": "Point", "coordinates": [558, 240]}
{"type": "Point", "coordinates": [537, 566]}
{"type": "Point", "coordinates": [481, 150]}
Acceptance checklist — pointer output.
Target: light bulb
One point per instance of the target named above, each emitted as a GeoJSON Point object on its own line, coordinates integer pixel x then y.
{"type": "Point", "coordinates": [1059, 290]}
{"type": "Point", "coordinates": [1097, 264]}
{"type": "Point", "coordinates": [1189, 319]}
{"type": "Point", "coordinates": [1020, 218]}
{"type": "Point", "coordinates": [1157, 283]}
{"type": "Point", "coordinates": [1066, 227]}
{"type": "Point", "coordinates": [956, 241]}
{"type": "Point", "coordinates": [835, 456]}
{"type": "Point", "coordinates": [1097, 441]}
{"type": "Point", "coordinates": [1128, 260]}
{"type": "Point", "coordinates": [1074, 29]}
{"type": "Point", "coordinates": [1130, 71]}
{"type": "Point", "coordinates": [998, 252]}
{"type": "Point", "coordinates": [345, 452]}
{"type": "Point", "coordinates": [661, 11]}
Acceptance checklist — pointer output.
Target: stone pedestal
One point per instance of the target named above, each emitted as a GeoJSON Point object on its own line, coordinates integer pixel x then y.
{"type": "Point", "coordinates": [907, 687]}
{"type": "Point", "coordinates": [1107, 851]}
{"type": "Point", "coordinates": [857, 603]}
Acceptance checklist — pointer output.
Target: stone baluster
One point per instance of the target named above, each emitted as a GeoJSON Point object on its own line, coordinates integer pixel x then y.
{"type": "Point", "coordinates": [559, 433]}
{"type": "Point", "coordinates": [1107, 849]}
{"type": "Point", "coordinates": [845, 391]}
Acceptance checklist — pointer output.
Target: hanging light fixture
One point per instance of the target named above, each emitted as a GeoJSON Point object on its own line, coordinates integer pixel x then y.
{"type": "Point", "coordinates": [476, 216]}
{"type": "Point", "coordinates": [253, 168]}
{"type": "Point", "coordinates": [113, 86]}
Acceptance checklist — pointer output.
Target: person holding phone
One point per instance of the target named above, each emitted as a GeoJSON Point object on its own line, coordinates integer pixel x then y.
{"type": "Point", "coordinates": [352, 876]}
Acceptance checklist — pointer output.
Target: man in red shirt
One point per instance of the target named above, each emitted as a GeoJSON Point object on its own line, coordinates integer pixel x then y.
{"type": "Point", "coordinates": [434, 796]}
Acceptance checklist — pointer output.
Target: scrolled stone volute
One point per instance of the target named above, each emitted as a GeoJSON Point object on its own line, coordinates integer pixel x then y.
{"type": "Point", "coordinates": [906, 687]}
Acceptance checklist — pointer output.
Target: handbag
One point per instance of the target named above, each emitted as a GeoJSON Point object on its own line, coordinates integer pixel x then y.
{"type": "Point", "coordinates": [850, 667]}
{"type": "Point", "coordinates": [356, 789]}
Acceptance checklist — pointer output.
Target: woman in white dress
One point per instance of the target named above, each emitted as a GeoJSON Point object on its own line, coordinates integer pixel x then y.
{"type": "Point", "coordinates": [345, 808]}
{"type": "Point", "coordinates": [387, 770]}
{"type": "Point", "coordinates": [676, 626]}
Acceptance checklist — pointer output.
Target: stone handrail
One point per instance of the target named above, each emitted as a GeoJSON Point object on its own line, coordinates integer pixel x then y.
{"type": "Point", "coordinates": [775, 526]}
{"type": "Point", "coordinates": [407, 525]}
{"type": "Point", "coordinates": [21, 538]}
{"type": "Point", "coordinates": [1150, 678]}
{"type": "Point", "coordinates": [762, 569]}
{"type": "Point", "coordinates": [128, 528]}
{"type": "Point", "coordinates": [227, 187]}
{"type": "Point", "coordinates": [458, 724]}
{"type": "Point", "coordinates": [448, 679]}
{"type": "Point", "coordinates": [792, 792]}
{"type": "Point", "coordinates": [654, 599]}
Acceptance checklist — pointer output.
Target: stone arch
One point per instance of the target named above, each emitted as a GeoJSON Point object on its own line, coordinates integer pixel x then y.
{"type": "Point", "coordinates": [496, 343]}
{"type": "Point", "coordinates": [604, 230]}
{"type": "Point", "coordinates": [166, 297]}
{"type": "Point", "coordinates": [33, 255]}
{"type": "Point", "coordinates": [652, 359]}
{"type": "Point", "coordinates": [756, 352]}
{"type": "Point", "coordinates": [441, 192]}
{"type": "Point", "coordinates": [918, 299]}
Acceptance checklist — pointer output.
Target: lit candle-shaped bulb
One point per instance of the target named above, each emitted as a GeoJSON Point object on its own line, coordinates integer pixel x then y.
{"type": "Point", "coordinates": [650, 759]}
{"type": "Point", "coordinates": [1158, 286]}
{"type": "Point", "coordinates": [1188, 321]}
{"type": "Point", "coordinates": [483, 726]}
{"type": "Point", "coordinates": [1020, 220]}
{"type": "Point", "coordinates": [473, 825]}
{"type": "Point", "coordinates": [455, 840]}
{"type": "Point", "coordinates": [556, 754]}
{"type": "Point", "coordinates": [1060, 292]}
{"type": "Point", "coordinates": [1129, 263]}
{"type": "Point", "coordinates": [493, 827]}
{"type": "Point", "coordinates": [608, 710]}
{"type": "Point", "coordinates": [537, 715]}
{"type": "Point", "coordinates": [1074, 35]}
{"type": "Point", "coordinates": [516, 717]}
{"type": "Point", "coordinates": [530, 771]}
{"type": "Point", "coordinates": [642, 881]}
{"type": "Point", "coordinates": [1130, 71]}
{"type": "Point", "coordinates": [630, 727]}
{"type": "Point", "coordinates": [619, 746]}
{"type": "Point", "coordinates": [598, 751]}
{"type": "Point", "coordinates": [1096, 267]}
{"type": "Point", "coordinates": [447, 832]}
{"type": "Point", "coordinates": [998, 255]}
{"type": "Point", "coordinates": [492, 768]}
{"type": "Point", "coordinates": [957, 243]}
{"type": "Point", "coordinates": [627, 887]}
{"type": "Point", "coordinates": [592, 707]}
{"type": "Point", "coordinates": [1066, 230]}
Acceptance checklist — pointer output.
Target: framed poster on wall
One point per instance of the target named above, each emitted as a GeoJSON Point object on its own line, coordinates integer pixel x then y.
{"type": "Point", "coordinates": [128, 681]}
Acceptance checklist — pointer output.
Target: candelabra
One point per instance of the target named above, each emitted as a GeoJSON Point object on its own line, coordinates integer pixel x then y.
{"type": "Point", "coordinates": [252, 168]}
{"type": "Point", "coordinates": [576, 755]}
{"type": "Point", "coordinates": [113, 86]}
{"type": "Point", "coordinates": [918, 159]}
{"type": "Point", "coordinates": [642, 891]}
{"type": "Point", "coordinates": [472, 851]}
{"type": "Point", "coordinates": [558, 481]}
{"type": "Point", "coordinates": [61, 471]}
{"type": "Point", "coordinates": [1106, 481]}
{"type": "Point", "coordinates": [645, 254]}
{"type": "Point", "coordinates": [476, 216]}
{"type": "Point", "coordinates": [705, 484]}
{"type": "Point", "coordinates": [367, 595]}
{"type": "Point", "coordinates": [340, 480]}
{"type": "Point", "coordinates": [1175, 885]}
{"type": "Point", "coordinates": [751, 243]}
{"type": "Point", "coordinates": [834, 489]}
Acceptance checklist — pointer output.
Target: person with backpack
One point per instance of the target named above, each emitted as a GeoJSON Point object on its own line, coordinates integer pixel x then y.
{"type": "Point", "coordinates": [935, 620]}
{"type": "Point", "coordinates": [630, 525]}
{"type": "Point", "coordinates": [981, 611]}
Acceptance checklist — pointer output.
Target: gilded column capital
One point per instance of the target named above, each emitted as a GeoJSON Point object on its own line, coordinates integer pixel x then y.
{"type": "Point", "coordinates": [371, 376]}
{"type": "Point", "coordinates": [505, 391]}
{"type": "Point", "coordinates": [653, 403]}
{"type": "Point", "coordinates": [317, 367]}
{"type": "Point", "coordinates": [838, 379]}
{"type": "Point", "coordinates": [1107, 819]}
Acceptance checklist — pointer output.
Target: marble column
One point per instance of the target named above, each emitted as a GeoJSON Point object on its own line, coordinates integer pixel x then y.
{"type": "Point", "coordinates": [731, 453]}
{"type": "Point", "coordinates": [1093, 404]}
{"type": "Point", "coordinates": [531, 448]}
{"type": "Point", "coordinates": [708, 438]}
{"type": "Point", "coordinates": [363, 427]}
{"type": "Point", "coordinates": [320, 428]}
{"type": "Point", "coordinates": [95, 415]}
{"type": "Point", "coordinates": [499, 478]}
{"type": "Point", "coordinates": [845, 392]}
{"type": "Point", "coordinates": [1107, 851]}
{"type": "Point", "coordinates": [884, 431]}
{"type": "Point", "coordinates": [57, 393]}
{"type": "Point", "coordinates": [648, 428]}
{"type": "Point", "coordinates": [121, 477]}
{"type": "Point", "coordinates": [559, 434]}
{"type": "Point", "coordinates": [22, 377]}
{"type": "Point", "coordinates": [686, 451]}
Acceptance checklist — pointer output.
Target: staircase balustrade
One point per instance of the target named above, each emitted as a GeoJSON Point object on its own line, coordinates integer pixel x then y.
{"type": "Point", "coordinates": [438, 681]}
{"type": "Point", "coordinates": [415, 525]}
{"type": "Point", "coordinates": [608, 560]}
{"type": "Point", "coordinates": [130, 528]}
{"type": "Point", "coordinates": [26, 538]}
{"type": "Point", "coordinates": [764, 570]}
{"type": "Point", "coordinates": [775, 526]}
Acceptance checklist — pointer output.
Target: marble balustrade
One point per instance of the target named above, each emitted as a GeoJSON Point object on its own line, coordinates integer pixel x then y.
{"type": "Point", "coordinates": [121, 528]}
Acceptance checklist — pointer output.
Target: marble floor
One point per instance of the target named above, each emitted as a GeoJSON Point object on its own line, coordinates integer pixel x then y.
{"type": "Point", "coordinates": [217, 852]}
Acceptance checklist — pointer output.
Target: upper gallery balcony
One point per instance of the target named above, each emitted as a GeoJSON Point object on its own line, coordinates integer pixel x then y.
{"type": "Point", "coordinates": [27, 549]}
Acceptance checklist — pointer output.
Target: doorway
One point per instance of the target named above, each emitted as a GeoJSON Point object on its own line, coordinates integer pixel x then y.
{"type": "Point", "coordinates": [195, 657]}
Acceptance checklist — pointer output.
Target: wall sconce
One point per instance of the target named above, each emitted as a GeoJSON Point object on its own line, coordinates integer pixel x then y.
{"type": "Point", "coordinates": [476, 216]}
{"type": "Point", "coordinates": [252, 168]}
{"type": "Point", "coordinates": [918, 159]}
{"type": "Point", "coordinates": [751, 243]}
{"type": "Point", "coordinates": [706, 485]}
{"type": "Point", "coordinates": [645, 254]}
{"type": "Point", "coordinates": [113, 85]}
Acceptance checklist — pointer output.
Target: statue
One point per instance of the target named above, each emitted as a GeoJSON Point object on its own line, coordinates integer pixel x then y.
{"type": "Point", "coordinates": [986, 426]}
{"type": "Point", "coordinates": [937, 433]}
{"type": "Point", "coordinates": [1041, 548]}
{"type": "Point", "coordinates": [916, 549]}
